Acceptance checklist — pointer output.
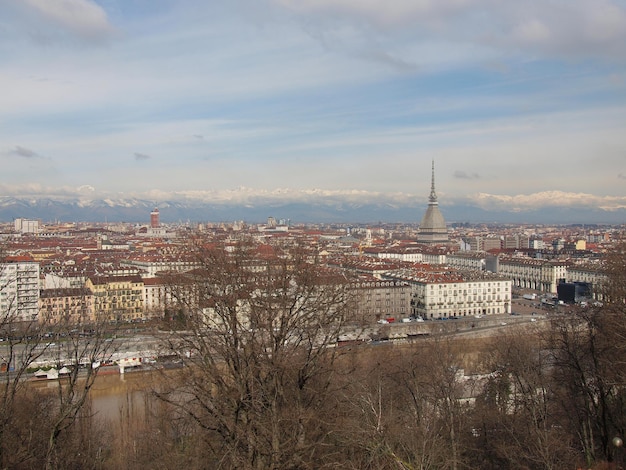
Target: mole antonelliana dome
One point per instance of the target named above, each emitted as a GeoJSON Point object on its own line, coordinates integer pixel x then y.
{"type": "Point", "coordinates": [433, 226]}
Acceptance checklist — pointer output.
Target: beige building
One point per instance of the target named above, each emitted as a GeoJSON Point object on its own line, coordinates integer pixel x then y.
{"type": "Point", "coordinates": [378, 299]}
{"type": "Point", "coordinates": [117, 298]}
{"type": "Point", "coordinates": [69, 305]}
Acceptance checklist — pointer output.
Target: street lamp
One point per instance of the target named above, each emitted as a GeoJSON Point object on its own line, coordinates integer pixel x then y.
{"type": "Point", "coordinates": [618, 443]}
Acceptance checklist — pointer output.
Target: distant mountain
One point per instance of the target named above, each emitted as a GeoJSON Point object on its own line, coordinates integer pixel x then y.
{"type": "Point", "coordinates": [138, 211]}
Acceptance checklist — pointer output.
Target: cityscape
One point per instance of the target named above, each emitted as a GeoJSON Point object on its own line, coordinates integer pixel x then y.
{"type": "Point", "coordinates": [82, 301]}
{"type": "Point", "coordinates": [95, 262]}
{"type": "Point", "coordinates": [312, 234]}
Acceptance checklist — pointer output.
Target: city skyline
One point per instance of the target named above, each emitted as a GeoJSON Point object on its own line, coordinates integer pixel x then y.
{"type": "Point", "coordinates": [296, 102]}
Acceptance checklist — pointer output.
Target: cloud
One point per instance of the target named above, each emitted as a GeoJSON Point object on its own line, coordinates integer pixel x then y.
{"type": "Point", "coordinates": [23, 152]}
{"type": "Point", "coordinates": [576, 28]}
{"type": "Point", "coordinates": [528, 202]}
{"type": "Point", "coordinates": [35, 190]}
{"type": "Point", "coordinates": [466, 176]}
{"type": "Point", "coordinates": [83, 19]}
{"type": "Point", "coordinates": [355, 198]}
{"type": "Point", "coordinates": [141, 156]}
{"type": "Point", "coordinates": [622, 176]}
{"type": "Point", "coordinates": [393, 13]}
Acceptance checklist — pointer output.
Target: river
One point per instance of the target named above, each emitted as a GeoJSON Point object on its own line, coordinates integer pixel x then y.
{"type": "Point", "coordinates": [114, 395]}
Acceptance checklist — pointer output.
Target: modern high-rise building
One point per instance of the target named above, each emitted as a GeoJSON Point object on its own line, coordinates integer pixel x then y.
{"type": "Point", "coordinates": [433, 226]}
{"type": "Point", "coordinates": [19, 290]}
{"type": "Point", "coordinates": [26, 226]}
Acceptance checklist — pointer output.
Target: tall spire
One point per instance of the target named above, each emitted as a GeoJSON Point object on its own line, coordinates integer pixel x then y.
{"type": "Point", "coordinates": [433, 227]}
{"type": "Point", "coordinates": [433, 194]}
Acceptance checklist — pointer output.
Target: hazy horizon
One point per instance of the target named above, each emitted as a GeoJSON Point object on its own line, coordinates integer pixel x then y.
{"type": "Point", "coordinates": [521, 106]}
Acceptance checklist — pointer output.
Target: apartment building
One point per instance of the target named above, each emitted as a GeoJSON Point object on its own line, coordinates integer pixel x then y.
{"type": "Point", "coordinates": [592, 274]}
{"type": "Point", "coordinates": [447, 294]}
{"type": "Point", "coordinates": [528, 273]}
{"type": "Point", "coordinates": [66, 305]}
{"type": "Point", "coordinates": [19, 289]}
{"type": "Point", "coordinates": [474, 260]}
{"type": "Point", "coordinates": [117, 298]}
{"type": "Point", "coordinates": [378, 299]}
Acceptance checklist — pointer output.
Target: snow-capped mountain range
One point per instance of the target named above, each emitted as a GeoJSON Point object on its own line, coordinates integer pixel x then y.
{"type": "Point", "coordinates": [137, 210]}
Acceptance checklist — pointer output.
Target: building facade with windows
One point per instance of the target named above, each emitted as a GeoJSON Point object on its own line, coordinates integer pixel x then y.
{"type": "Point", "coordinates": [535, 274]}
{"type": "Point", "coordinates": [19, 289]}
{"type": "Point", "coordinates": [384, 299]}
{"type": "Point", "coordinates": [454, 294]}
{"type": "Point", "coordinates": [66, 305]}
{"type": "Point", "coordinates": [117, 298]}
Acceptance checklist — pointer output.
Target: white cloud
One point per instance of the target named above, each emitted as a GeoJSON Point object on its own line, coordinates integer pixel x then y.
{"type": "Point", "coordinates": [82, 18]}
{"type": "Point", "coordinates": [525, 202]}
{"type": "Point", "coordinates": [391, 13]}
{"type": "Point", "coordinates": [316, 93]}
{"type": "Point", "coordinates": [86, 189]}
{"type": "Point", "coordinates": [532, 31]}
{"type": "Point", "coordinates": [576, 28]}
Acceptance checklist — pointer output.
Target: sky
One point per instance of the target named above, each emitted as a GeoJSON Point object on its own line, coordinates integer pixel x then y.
{"type": "Point", "coordinates": [519, 104]}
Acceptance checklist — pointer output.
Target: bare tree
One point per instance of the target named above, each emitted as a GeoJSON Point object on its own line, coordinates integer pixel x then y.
{"type": "Point", "coordinates": [81, 348]}
{"type": "Point", "coordinates": [258, 331]}
{"type": "Point", "coordinates": [30, 338]}
{"type": "Point", "coordinates": [517, 420]}
{"type": "Point", "coordinates": [22, 343]}
{"type": "Point", "coordinates": [591, 386]}
{"type": "Point", "coordinates": [587, 348]}
{"type": "Point", "coordinates": [407, 407]}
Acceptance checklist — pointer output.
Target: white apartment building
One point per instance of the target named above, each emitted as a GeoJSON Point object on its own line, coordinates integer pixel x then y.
{"type": "Point", "coordinates": [157, 297]}
{"type": "Point", "coordinates": [474, 260]}
{"type": "Point", "coordinates": [150, 266]}
{"type": "Point", "coordinates": [536, 274]}
{"type": "Point", "coordinates": [460, 299]}
{"type": "Point", "coordinates": [410, 255]}
{"type": "Point", "coordinates": [434, 258]}
{"type": "Point", "coordinates": [19, 290]}
{"type": "Point", "coordinates": [444, 295]}
{"type": "Point", "coordinates": [26, 226]}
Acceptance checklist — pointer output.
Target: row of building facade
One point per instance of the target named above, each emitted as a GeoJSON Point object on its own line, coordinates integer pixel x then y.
{"type": "Point", "coordinates": [392, 283]}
